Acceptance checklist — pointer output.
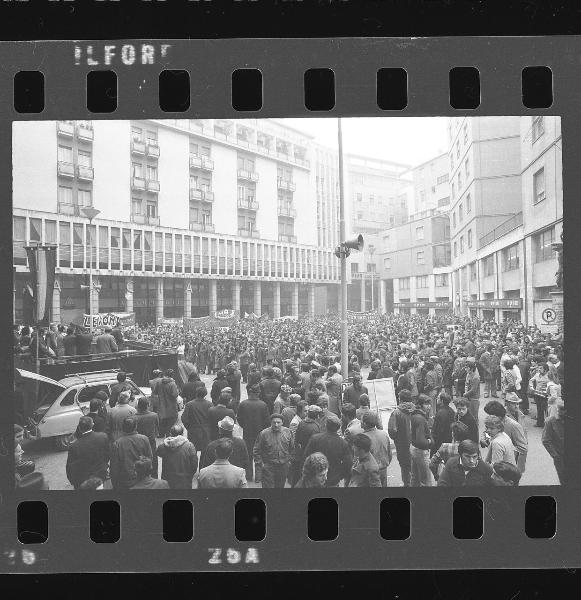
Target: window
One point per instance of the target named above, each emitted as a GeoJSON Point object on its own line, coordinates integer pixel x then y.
{"type": "Point", "coordinates": [84, 198]}
{"type": "Point", "coordinates": [510, 259]}
{"type": "Point", "coordinates": [370, 267]}
{"type": "Point", "coordinates": [422, 281]}
{"type": "Point", "coordinates": [422, 197]}
{"type": "Point", "coordinates": [137, 170]}
{"type": "Point", "coordinates": [467, 169]}
{"type": "Point", "coordinates": [420, 258]}
{"type": "Point", "coordinates": [488, 265]}
{"type": "Point", "coordinates": [442, 179]}
{"type": "Point", "coordinates": [152, 209]}
{"type": "Point", "coordinates": [65, 194]}
{"type": "Point", "coordinates": [538, 128]}
{"type": "Point", "coordinates": [542, 245]}
{"type": "Point", "coordinates": [151, 173]}
{"type": "Point", "coordinates": [454, 219]}
{"type": "Point", "coordinates": [115, 237]}
{"type": "Point", "coordinates": [137, 134]}
{"type": "Point", "coordinates": [359, 197]}
{"type": "Point", "coordinates": [455, 249]}
{"type": "Point", "coordinates": [65, 154]}
{"type": "Point", "coordinates": [404, 283]}
{"type": "Point", "coordinates": [85, 159]}
{"type": "Point", "coordinates": [392, 220]}
{"type": "Point", "coordinates": [403, 203]}
{"type": "Point", "coordinates": [50, 232]}
{"type": "Point", "coordinates": [470, 238]}
{"type": "Point", "coordinates": [137, 240]}
{"type": "Point", "coordinates": [461, 244]}
{"type": "Point", "coordinates": [468, 204]}
{"type": "Point", "coordinates": [137, 206]}
{"type": "Point", "coordinates": [354, 268]}
{"type": "Point", "coordinates": [387, 263]}
{"type": "Point", "coordinates": [441, 280]}
{"type": "Point", "coordinates": [420, 232]}
{"type": "Point", "coordinates": [539, 186]}
{"type": "Point", "coordinates": [151, 137]}
{"type": "Point", "coordinates": [473, 272]}
{"type": "Point", "coordinates": [35, 230]}
{"type": "Point", "coordinates": [460, 213]}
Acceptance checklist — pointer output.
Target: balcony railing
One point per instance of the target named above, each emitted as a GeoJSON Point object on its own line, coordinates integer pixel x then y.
{"type": "Point", "coordinates": [247, 203]}
{"type": "Point", "coordinates": [65, 169]}
{"type": "Point", "coordinates": [283, 237]}
{"type": "Point", "coordinates": [285, 184]}
{"type": "Point", "coordinates": [85, 132]}
{"type": "Point", "coordinates": [65, 129]}
{"type": "Point", "coordinates": [249, 175]}
{"type": "Point", "coordinates": [513, 223]}
{"type": "Point", "coordinates": [144, 219]}
{"type": "Point", "coordinates": [138, 183]}
{"type": "Point", "coordinates": [153, 149]}
{"type": "Point", "coordinates": [287, 211]}
{"type": "Point", "coordinates": [153, 185]}
{"type": "Point", "coordinates": [198, 226]}
{"type": "Point", "coordinates": [86, 173]}
{"type": "Point", "coordinates": [248, 233]}
{"type": "Point", "coordinates": [201, 162]}
{"type": "Point", "coordinates": [73, 210]}
{"type": "Point", "coordinates": [137, 147]}
{"type": "Point", "coordinates": [203, 195]}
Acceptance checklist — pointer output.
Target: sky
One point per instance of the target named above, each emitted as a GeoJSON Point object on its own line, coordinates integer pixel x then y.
{"type": "Point", "coordinates": [407, 140]}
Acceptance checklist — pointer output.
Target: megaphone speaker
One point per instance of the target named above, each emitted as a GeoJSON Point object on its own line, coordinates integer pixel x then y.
{"type": "Point", "coordinates": [356, 243]}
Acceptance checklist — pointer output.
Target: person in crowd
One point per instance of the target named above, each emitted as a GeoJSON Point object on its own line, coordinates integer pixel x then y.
{"type": "Point", "coordinates": [524, 367]}
{"type": "Point", "coordinates": [93, 483]}
{"type": "Point", "coordinates": [399, 430]}
{"type": "Point", "coordinates": [88, 455]}
{"type": "Point", "coordinates": [282, 401]}
{"type": "Point", "coordinates": [195, 417]}
{"type": "Point", "coordinates": [239, 456]}
{"type": "Point", "coordinates": [148, 425]}
{"type": "Point", "coordinates": [84, 342]}
{"type": "Point", "coordinates": [301, 413]}
{"type": "Point", "coordinates": [167, 392]}
{"type": "Point", "coordinates": [447, 450]}
{"type": "Point", "coordinates": [538, 385]}
{"type": "Point", "coordinates": [353, 393]}
{"type": "Point", "coordinates": [143, 479]}
{"type": "Point", "coordinates": [125, 451]}
{"type": "Point", "coordinates": [192, 384]}
{"type": "Point", "coordinates": [553, 439]}
{"type": "Point", "coordinates": [269, 388]}
{"type": "Point", "coordinates": [333, 383]}
{"type": "Point", "coordinates": [117, 415]}
{"type": "Point", "coordinates": [221, 473]}
{"type": "Point", "coordinates": [508, 376]}
{"type": "Point", "coordinates": [273, 451]}
{"type": "Point", "coordinates": [105, 342]}
{"type": "Point", "coordinates": [234, 377]}
{"type": "Point", "coordinates": [305, 430]}
{"type": "Point", "coordinates": [441, 428]}
{"type": "Point", "coordinates": [380, 444]}
{"type": "Point", "coordinates": [365, 470]}
{"type": "Point", "coordinates": [218, 412]}
{"type": "Point", "coordinates": [363, 406]}
{"type": "Point", "coordinates": [218, 385]}
{"type": "Point", "coordinates": [500, 447]}
{"type": "Point", "coordinates": [315, 471]}
{"type": "Point", "coordinates": [121, 385]}
{"type": "Point", "coordinates": [464, 416]}
{"type": "Point", "coordinates": [351, 425]}
{"type": "Point", "coordinates": [505, 474]}
{"type": "Point", "coordinates": [118, 336]}
{"type": "Point", "coordinates": [179, 459]}
{"type": "Point", "coordinates": [98, 411]}
{"type": "Point", "coordinates": [420, 444]}
{"type": "Point", "coordinates": [70, 343]}
{"type": "Point", "coordinates": [472, 387]}
{"type": "Point", "coordinates": [157, 376]}
{"type": "Point", "coordinates": [467, 468]}
{"type": "Point", "coordinates": [553, 391]}
{"type": "Point", "coordinates": [253, 377]}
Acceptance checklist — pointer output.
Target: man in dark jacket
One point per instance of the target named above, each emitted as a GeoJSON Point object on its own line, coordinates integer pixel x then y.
{"type": "Point", "coordinates": [524, 366]}
{"type": "Point", "coordinates": [144, 480]}
{"type": "Point", "coordinates": [354, 391]}
{"type": "Point", "coordinates": [269, 388]}
{"type": "Point", "coordinates": [125, 451]}
{"type": "Point", "coordinates": [70, 343]}
{"type": "Point", "coordinates": [421, 442]}
{"type": "Point", "coordinates": [399, 430]}
{"type": "Point", "coordinates": [167, 392]}
{"type": "Point", "coordinates": [253, 417]}
{"type": "Point", "coordinates": [218, 412]}
{"type": "Point", "coordinates": [239, 456]}
{"type": "Point", "coordinates": [148, 425]}
{"type": "Point", "coordinates": [196, 419]}
{"type": "Point", "coordinates": [253, 376]}
{"type": "Point", "coordinates": [466, 469]}
{"type": "Point", "coordinates": [106, 343]}
{"type": "Point", "coordinates": [554, 440]}
{"type": "Point", "coordinates": [98, 412]}
{"type": "Point", "coordinates": [305, 430]}
{"type": "Point", "coordinates": [442, 427]}
{"type": "Point", "coordinates": [121, 385]}
{"type": "Point", "coordinates": [234, 377]}
{"type": "Point", "coordinates": [464, 416]}
{"type": "Point", "coordinates": [335, 448]}
{"type": "Point", "coordinates": [218, 385]}
{"type": "Point", "coordinates": [179, 459]}
{"type": "Point", "coordinates": [88, 455]}
{"type": "Point", "coordinates": [84, 342]}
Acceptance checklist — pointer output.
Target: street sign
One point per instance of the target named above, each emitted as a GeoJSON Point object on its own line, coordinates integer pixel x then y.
{"type": "Point", "coordinates": [549, 315]}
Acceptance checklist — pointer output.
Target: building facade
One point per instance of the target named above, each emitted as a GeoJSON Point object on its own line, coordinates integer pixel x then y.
{"type": "Point", "coordinates": [194, 216]}
{"type": "Point", "coordinates": [431, 187]}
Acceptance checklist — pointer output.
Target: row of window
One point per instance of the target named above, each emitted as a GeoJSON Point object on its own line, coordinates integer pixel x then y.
{"type": "Point", "coordinates": [461, 211]}
{"type": "Point", "coordinates": [422, 281]}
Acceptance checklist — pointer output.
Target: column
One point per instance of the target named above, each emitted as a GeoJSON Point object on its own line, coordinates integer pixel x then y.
{"type": "Point", "coordinates": [129, 294]}
{"type": "Point", "coordinates": [432, 292]}
{"type": "Point", "coordinates": [311, 300]}
{"type": "Point", "coordinates": [236, 295]}
{"type": "Point", "coordinates": [159, 299]}
{"type": "Point", "coordinates": [382, 309]}
{"type": "Point", "coordinates": [295, 300]}
{"type": "Point", "coordinates": [257, 298]}
{"type": "Point", "coordinates": [188, 299]}
{"type": "Point", "coordinates": [55, 315]}
{"type": "Point", "coordinates": [213, 297]}
{"type": "Point", "coordinates": [276, 299]}
{"type": "Point", "coordinates": [94, 296]}
{"type": "Point", "coordinates": [363, 293]}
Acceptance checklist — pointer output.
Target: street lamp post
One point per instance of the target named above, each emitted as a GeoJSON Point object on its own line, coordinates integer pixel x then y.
{"type": "Point", "coordinates": [90, 213]}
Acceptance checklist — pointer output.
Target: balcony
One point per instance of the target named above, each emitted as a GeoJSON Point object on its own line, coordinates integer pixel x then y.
{"type": "Point", "coordinates": [153, 186]}
{"type": "Point", "coordinates": [73, 210]}
{"type": "Point", "coordinates": [248, 175]}
{"type": "Point", "coordinates": [248, 233]}
{"type": "Point", "coordinates": [285, 184]}
{"type": "Point", "coordinates": [137, 147]}
{"type": "Point", "coordinates": [201, 162]}
{"type": "Point", "coordinates": [85, 132]}
{"type": "Point", "coordinates": [291, 239]}
{"type": "Point", "coordinates": [85, 173]}
{"type": "Point", "coordinates": [65, 128]}
{"type": "Point", "coordinates": [287, 211]}
{"type": "Point", "coordinates": [66, 169]}
{"type": "Point", "coordinates": [248, 203]}
{"type": "Point", "coordinates": [144, 219]}
{"type": "Point", "coordinates": [198, 226]}
{"type": "Point", "coordinates": [203, 195]}
{"type": "Point", "coordinates": [137, 183]}
{"type": "Point", "coordinates": [513, 223]}
{"type": "Point", "coordinates": [153, 149]}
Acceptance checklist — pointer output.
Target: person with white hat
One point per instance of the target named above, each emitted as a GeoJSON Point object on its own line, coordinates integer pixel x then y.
{"type": "Point", "coordinates": [239, 456]}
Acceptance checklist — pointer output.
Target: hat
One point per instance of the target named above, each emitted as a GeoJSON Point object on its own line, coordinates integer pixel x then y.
{"type": "Point", "coordinates": [227, 389]}
{"type": "Point", "coordinates": [314, 408]}
{"type": "Point", "coordinates": [226, 424]}
{"type": "Point", "coordinates": [512, 397]}
{"type": "Point", "coordinates": [102, 395]}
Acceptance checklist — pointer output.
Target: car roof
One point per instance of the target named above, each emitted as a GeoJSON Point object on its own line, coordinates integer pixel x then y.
{"type": "Point", "coordinates": [107, 377]}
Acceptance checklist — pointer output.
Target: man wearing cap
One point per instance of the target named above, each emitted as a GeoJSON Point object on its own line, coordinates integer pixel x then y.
{"type": "Point", "coordinates": [335, 448]}
{"type": "Point", "coordinates": [554, 440]}
{"type": "Point", "coordinates": [308, 427]}
{"type": "Point", "coordinates": [218, 412]}
{"type": "Point", "coordinates": [239, 456]}
{"type": "Point", "coordinates": [273, 451]}
{"type": "Point", "coordinates": [118, 414]}
{"type": "Point", "coordinates": [179, 459]}
{"type": "Point", "coordinates": [88, 455]}
{"type": "Point", "coordinates": [283, 399]}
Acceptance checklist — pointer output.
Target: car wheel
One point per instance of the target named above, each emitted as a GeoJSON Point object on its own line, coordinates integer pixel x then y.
{"type": "Point", "coordinates": [63, 442]}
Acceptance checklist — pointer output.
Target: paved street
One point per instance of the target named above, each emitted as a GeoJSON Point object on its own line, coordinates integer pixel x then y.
{"type": "Point", "coordinates": [539, 469]}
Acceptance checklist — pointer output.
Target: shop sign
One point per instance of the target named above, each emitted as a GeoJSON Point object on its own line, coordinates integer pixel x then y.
{"type": "Point", "coordinates": [501, 303]}
{"type": "Point", "coordinates": [447, 305]}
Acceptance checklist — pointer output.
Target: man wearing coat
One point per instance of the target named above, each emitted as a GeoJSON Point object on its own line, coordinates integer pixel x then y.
{"type": "Point", "coordinates": [88, 455]}
{"type": "Point", "coordinates": [253, 418]}
{"type": "Point", "coordinates": [399, 430]}
{"type": "Point", "coordinates": [234, 377]}
{"type": "Point", "coordinates": [472, 387]}
{"type": "Point", "coordinates": [269, 388]}
{"type": "Point", "coordinates": [222, 474]}
{"type": "Point", "coordinates": [117, 415]}
{"type": "Point", "coordinates": [179, 459]}
{"type": "Point", "coordinates": [148, 425]}
{"type": "Point", "coordinates": [106, 343]}
{"type": "Point", "coordinates": [167, 392]}
{"type": "Point", "coordinates": [196, 419]}
{"type": "Point", "coordinates": [125, 451]}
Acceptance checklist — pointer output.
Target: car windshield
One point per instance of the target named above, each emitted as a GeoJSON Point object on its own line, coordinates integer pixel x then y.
{"type": "Point", "coordinates": [47, 393]}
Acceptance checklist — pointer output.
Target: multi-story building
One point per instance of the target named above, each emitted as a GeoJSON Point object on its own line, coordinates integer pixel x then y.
{"type": "Point", "coordinates": [415, 264]}
{"type": "Point", "coordinates": [506, 268]}
{"type": "Point", "coordinates": [194, 216]}
{"type": "Point", "coordinates": [326, 184]}
{"type": "Point", "coordinates": [431, 187]}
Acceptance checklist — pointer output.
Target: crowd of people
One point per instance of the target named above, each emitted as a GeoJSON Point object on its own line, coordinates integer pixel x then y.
{"type": "Point", "coordinates": [304, 423]}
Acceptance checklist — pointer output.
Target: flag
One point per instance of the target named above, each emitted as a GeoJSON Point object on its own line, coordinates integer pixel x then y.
{"type": "Point", "coordinates": [42, 264]}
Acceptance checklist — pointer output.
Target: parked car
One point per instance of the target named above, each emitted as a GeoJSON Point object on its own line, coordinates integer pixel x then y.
{"type": "Point", "coordinates": [62, 403]}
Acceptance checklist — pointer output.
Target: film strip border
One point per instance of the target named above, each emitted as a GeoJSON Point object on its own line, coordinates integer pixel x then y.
{"type": "Point", "coordinates": [355, 65]}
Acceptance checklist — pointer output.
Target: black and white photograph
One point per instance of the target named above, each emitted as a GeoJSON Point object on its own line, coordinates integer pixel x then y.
{"type": "Point", "coordinates": [288, 303]}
